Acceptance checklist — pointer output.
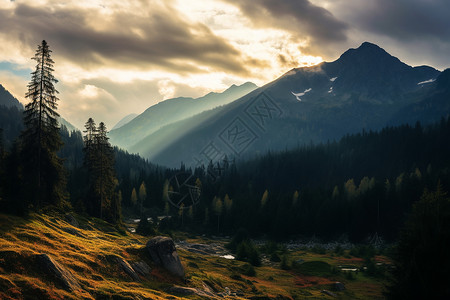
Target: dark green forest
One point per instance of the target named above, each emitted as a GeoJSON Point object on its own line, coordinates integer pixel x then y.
{"type": "Point", "coordinates": [362, 185]}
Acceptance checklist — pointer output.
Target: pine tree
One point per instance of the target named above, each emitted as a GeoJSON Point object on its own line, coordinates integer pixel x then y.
{"type": "Point", "coordinates": [42, 169]}
{"type": "Point", "coordinates": [142, 196]}
{"type": "Point", "coordinates": [133, 197]}
{"type": "Point", "coordinates": [89, 142]}
{"type": "Point", "coordinates": [218, 207]}
{"type": "Point", "coordinates": [421, 258]}
{"type": "Point", "coordinates": [99, 160]}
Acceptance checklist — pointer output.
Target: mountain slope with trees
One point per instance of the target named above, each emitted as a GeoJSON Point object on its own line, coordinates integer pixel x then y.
{"type": "Point", "coordinates": [366, 88]}
{"type": "Point", "coordinates": [173, 110]}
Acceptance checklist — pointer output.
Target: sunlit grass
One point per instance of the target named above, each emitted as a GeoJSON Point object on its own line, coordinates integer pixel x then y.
{"type": "Point", "coordinates": [88, 259]}
{"type": "Point", "coordinates": [91, 259]}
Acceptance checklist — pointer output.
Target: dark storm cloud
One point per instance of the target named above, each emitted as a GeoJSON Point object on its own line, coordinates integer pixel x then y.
{"type": "Point", "coordinates": [407, 20]}
{"type": "Point", "coordinates": [302, 18]}
{"type": "Point", "coordinates": [160, 38]}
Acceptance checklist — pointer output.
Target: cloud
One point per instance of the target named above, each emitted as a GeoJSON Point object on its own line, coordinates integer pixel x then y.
{"type": "Point", "coordinates": [416, 31]}
{"type": "Point", "coordinates": [151, 35]}
{"type": "Point", "coordinates": [307, 22]}
{"type": "Point", "coordinates": [406, 20]}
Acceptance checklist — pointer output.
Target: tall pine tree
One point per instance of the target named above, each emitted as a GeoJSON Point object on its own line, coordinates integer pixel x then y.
{"type": "Point", "coordinates": [43, 171]}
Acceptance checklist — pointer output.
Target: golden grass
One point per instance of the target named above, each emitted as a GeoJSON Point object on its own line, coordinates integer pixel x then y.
{"type": "Point", "coordinates": [88, 259]}
{"type": "Point", "coordinates": [91, 260]}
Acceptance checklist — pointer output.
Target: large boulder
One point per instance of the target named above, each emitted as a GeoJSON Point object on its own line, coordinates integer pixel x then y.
{"type": "Point", "coordinates": [163, 253]}
{"type": "Point", "coordinates": [58, 272]}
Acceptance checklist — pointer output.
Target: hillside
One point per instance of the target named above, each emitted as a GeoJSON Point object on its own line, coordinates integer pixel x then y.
{"type": "Point", "coordinates": [90, 254]}
{"type": "Point", "coordinates": [124, 120]}
{"type": "Point", "coordinates": [8, 100]}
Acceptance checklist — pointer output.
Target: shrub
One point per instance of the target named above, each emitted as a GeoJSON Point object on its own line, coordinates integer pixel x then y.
{"type": "Point", "coordinates": [248, 270]}
{"type": "Point", "coordinates": [241, 235]}
{"type": "Point", "coordinates": [284, 265]}
{"type": "Point", "coordinates": [315, 268]}
{"type": "Point", "coordinates": [246, 251]}
{"type": "Point", "coordinates": [275, 258]}
{"type": "Point", "coordinates": [145, 227]}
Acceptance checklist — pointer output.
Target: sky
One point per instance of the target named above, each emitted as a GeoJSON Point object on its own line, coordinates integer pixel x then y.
{"type": "Point", "coordinates": [113, 58]}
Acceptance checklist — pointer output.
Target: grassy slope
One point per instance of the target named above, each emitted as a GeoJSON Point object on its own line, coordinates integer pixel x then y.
{"type": "Point", "coordinates": [90, 260]}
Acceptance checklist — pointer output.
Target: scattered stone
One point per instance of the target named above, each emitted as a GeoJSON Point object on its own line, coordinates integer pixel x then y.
{"type": "Point", "coordinates": [73, 231]}
{"type": "Point", "coordinates": [71, 220]}
{"type": "Point", "coordinates": [326, 292]}
{"type": "Point", "coordinates": [339, 286]}
{"type": "Point", "coordinates": [226, 292]}
{"type": "Point", "coordinates": [207, 288]}
{"type": "Point", "coordinates": [182, 290]}
{"type": "Point", "coordinates": [127, 268]}
{"type": "Point", "coordinates": [58, 272]}
{"type": "Point", "coordinates": [141, 267]}
{"type": "Point", "coordinates": [186, 291]}
{"type": "Point", "coordinates": [163, 253]}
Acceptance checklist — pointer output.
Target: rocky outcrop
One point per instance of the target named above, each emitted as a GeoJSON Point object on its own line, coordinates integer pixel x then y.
{"type": "Point", "coordinates": [141, 268]}
{"type": "Point", "coordinates": [186, 291]}
{"type": "Point", "coordinates": [58, 272]}
{"type": "Point", "coordinates": [71, 220]}
{"type": "Point", "coordinates": [163, 253]}
{"type": "Point", "coordinates": [127, 268]}
{"type": "Point", "coordinates": [73, 231]}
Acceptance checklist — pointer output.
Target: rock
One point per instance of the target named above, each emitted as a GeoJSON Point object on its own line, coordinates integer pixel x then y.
{"type": "Point", "coordinates": [141, 267]}
{"type": "Point", "coordinates": [73, 231]}
{"type": "Point", "coordinates": [163, 253]}
{"type": "Point", "coordinates": [58, 272]}
{"type": "Point", "coordinates": [127, 268]}
{"type": "Point", "coordinates": [186, 291]}
{"type": "Point", "coordinates": [339, 286]}
{"type": "Point", "coordinates": [182, 290]}
{"type": "Point", "coordinates": [71, 220]}
{"type": "Point", "coordinates": [328, 293]}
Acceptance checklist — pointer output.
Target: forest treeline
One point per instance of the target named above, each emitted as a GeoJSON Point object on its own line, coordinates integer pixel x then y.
{"type": "Point", "coordinates": [359, 187]}
{"type": "Point", "coordinates": [362, 185]}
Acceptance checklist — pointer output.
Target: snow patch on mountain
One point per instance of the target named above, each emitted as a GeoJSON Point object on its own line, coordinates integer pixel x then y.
{"type": "Point", "coordinates": [298, 95]}
{"type": "Point", "coordinates": [426, 81]}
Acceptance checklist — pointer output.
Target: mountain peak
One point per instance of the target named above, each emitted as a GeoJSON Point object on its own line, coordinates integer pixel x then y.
{"type": "Point", "coordinates": [371, 56]}
{"type": "Point", "coordinates": [245, 85]}
{"type": "Point", "coordinates": [367, 51]}
{"type": "Point", "coordinates": [369, 45]}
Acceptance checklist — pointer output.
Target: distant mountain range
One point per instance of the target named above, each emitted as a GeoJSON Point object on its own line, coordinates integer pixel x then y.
{"type": "Point", "coordinates": [173, 110]}
{"type": "Point", "coordinates": [124, 120]}
{"type": "Point", "coordinates": [366, 88]}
